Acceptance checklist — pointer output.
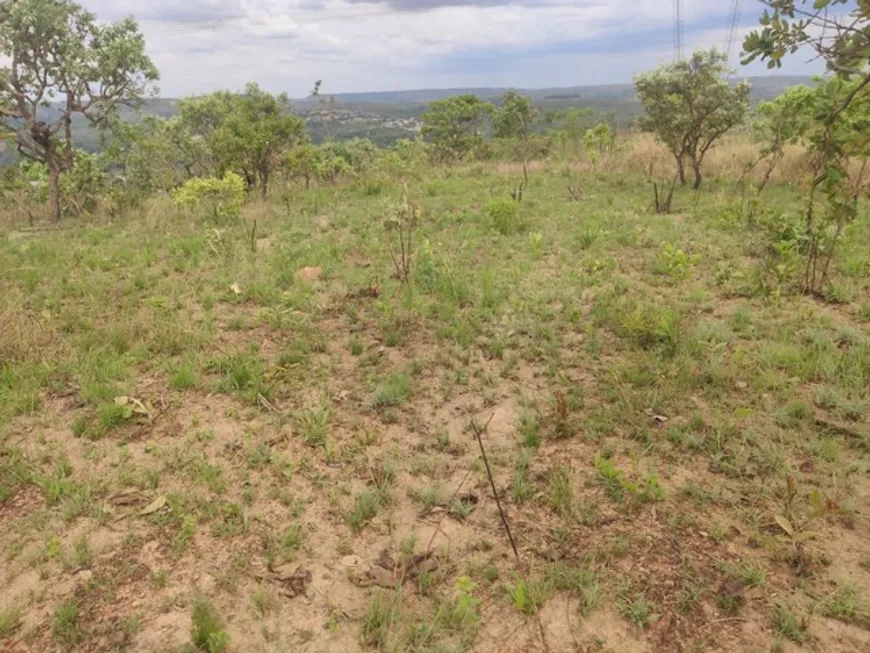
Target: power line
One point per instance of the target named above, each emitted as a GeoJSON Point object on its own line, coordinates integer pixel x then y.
{"type": "Point", "coordinates": [217, 24]}
{"type": "Point", "coordinates": [733, 22]}
{"type": "Point", "coordinates": [678, 30]}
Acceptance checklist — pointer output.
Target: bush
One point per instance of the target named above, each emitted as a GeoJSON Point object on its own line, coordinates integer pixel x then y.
{"type": "Point", "coordinates": [221, 198]}
{"type": "Point", "coordinates": [504, 214]}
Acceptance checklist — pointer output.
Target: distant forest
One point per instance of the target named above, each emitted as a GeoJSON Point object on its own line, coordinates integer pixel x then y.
{"type": "Point", "coordinates": [384, 117]}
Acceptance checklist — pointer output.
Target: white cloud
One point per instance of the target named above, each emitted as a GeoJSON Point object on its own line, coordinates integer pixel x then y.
{"type": "Point", "coordinates": [358, 45]}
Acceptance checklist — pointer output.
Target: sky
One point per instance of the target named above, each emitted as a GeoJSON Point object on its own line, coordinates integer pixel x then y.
{"type": "Point", "coordinates": [386, 45]}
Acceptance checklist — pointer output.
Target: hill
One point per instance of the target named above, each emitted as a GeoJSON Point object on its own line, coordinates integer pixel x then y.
{"type": "Point", "coordinates": [385, 116]}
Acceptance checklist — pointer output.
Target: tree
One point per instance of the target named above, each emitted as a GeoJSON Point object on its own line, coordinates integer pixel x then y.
{"type": "Point", "coordinates": [783, 121]}
{"type": "Point", "coordinates": [839, 32]}
{"type": "Point", "coordinates": [514, 117]}
{"type": "Point", "coordinates": [257, 134]}
{"type": "Point", "coordinates": [250, 133]}
{"type": "Point", "coordinates": [690, 105]}
{"type": "Point", "coordinates": [454, 125]}
{"type": "Point", "coordinates": [60, 62]}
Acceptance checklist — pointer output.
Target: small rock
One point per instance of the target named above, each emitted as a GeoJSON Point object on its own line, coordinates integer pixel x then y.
{"type": "Point", "coordinates": [351, 561]}
{"type": "Point", "coordinates": [742, 385]}
{"type": "Point", "coordinates": [310, 274]}
{"type": "Point", "coordinates": [84, 575]}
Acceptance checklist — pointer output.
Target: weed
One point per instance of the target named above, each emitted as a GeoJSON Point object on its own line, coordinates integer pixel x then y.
{"type": "Point", "coordinates": [366, 506]}
{"type": "Point", "coordinates": [395, 390]}
{"type": "Point", "coordinates": [378, 621]}
{"type": "Point", "coordinates": [264, 600]}
{"type": "Point", "coordinates": [10, 621]}
{"type": "Point", "coordinates": [504, 215]}
{"type": "Point", "coordinates": [65, 623]}
{"type": "Point", "coordinates": [676, 263]}
{"type": "Point", "coordinates": [313, 425]}
{"type": "Point", "coordinates": [636, 609]}
{"type": "Point", "coordinates": [207, 631]}
{"type": "Point", "coordinates": [845, 604]}
{"type": "Point", "coordinates": [529, 596]}
{"type": "Point", "coordinates": [528, 428]}
{"type": "Point", "coordinates": [183, 377]}
{"type": "Point", "coordinates": [788, 624]}
{"type": "Point", "coordinates": [560, 493]}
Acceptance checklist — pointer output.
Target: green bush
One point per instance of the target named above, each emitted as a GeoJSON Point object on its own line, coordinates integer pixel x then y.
{"type": "Point", "coordinates": [221, 198]}
{"type": "Point", "coordinates": [504, 214]}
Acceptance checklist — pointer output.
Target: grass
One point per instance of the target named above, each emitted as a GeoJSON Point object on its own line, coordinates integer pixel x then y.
{"type": "Point", "coordinates": [639, 397]}
{"type": "Point", "coordinates": [65, 623]}
{"type": "Point", "coordinates": [10, 621]}
{"type": "Point", "coordinates": [207, 630]}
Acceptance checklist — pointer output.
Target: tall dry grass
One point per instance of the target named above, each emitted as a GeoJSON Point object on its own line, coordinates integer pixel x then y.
{"type": "Point", "coordinates": [24, 337]}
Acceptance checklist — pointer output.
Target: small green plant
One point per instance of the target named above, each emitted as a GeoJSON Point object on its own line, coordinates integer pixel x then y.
{"type": "Point", "coordinates": [183, 377]}
{"type": "Point", "coordinates": [378, 620]}
{"type": "Point", "coordinates": [112, 415]}
{"type": "Point", "coordinates": [10, 621]}
{"type": "Point", "coordinates": [264, 600]}
{"type": "Point", "coordinates": [222, 199]}
{"type": "Point", "coordinates": [365, 507]}
{"type": "Point", "coordinates": [636, 609]}
{"type": "Point", "coordinates": [65, 623]}
{"type": "Point", "coordinates": [522, 489]}
{"type": "Point", "coordinates": [529, 596]}
{"type": "Point", "coordinates": [560, 493]}
{"type": "Point", "coordinates": [399, 223]}
{"type": "Point", "coordinates": [313, 425]}
{"type": "Point", "coordinates": [846, 605]}
{"type": "Point", "coordinates": [462, 615]}
{"type": "Point", "coordinates": [207, 632]}
{"type": "Point", "coordinates": [788, 624]}
{"type": "Point", "coordinates": [676, 263]}
{"type": "Point", "coordinates": [504, 215]}
{"type": "Point", "coordinates": [529, 428]}
{"type": "Point", "coordinates": [396, 389]}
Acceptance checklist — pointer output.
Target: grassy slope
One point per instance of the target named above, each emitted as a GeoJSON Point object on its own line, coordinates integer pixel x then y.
{"type": "Point", "coordinates": [644, 414]}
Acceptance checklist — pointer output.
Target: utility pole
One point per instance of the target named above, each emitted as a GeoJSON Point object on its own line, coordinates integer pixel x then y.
{"type": "Point", "coordinates": [733, 22]}
{"type": "Point", "coordinates": [678, 30]}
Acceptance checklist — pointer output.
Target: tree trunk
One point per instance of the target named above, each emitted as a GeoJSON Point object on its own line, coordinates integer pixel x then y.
{"type": "Point", "coordinates": [681, 170]}
{"type": "Point", "coordinates": [696, 167]}
{"type": "Point", "coordinates": [54, 190]}
{"type": "Point", "coordinates": [264, 184]}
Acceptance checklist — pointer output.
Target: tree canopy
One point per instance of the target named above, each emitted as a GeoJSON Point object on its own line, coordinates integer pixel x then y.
{"type": "Point", "coordinates": [690, 105]}
{"type": "Point", "coordinates": [454, 125]}
{"type": "Point", "coordinates": [59, 62]}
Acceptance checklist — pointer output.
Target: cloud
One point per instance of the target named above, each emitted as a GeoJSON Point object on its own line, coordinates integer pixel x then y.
{"type": "Point", "coordinates": [359, 45]}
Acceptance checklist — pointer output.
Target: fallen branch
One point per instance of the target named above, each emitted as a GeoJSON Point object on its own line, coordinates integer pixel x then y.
{"type": "Point", "coordinates": [478, 433]}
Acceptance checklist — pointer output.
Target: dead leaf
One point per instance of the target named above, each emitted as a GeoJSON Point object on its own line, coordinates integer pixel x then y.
{"type": "Point", "coordinates": [154, 506]}
{"type": "Point", "coordinates": [785, 525]}
{"type": "Point", "coordinates": [291, 584]}
{"type": "Point", "coordinates": [125, 498]}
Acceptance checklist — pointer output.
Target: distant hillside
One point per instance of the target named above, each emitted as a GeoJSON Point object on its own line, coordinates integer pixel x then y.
{"type": "Point", "coordinates": [386, 116]}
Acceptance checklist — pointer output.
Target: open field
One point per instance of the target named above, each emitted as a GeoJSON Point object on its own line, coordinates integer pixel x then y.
{"type": "Point", "coordinates": [209, 446]}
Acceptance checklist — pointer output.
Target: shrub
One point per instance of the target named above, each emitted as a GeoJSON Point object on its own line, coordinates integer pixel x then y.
{"type": "Point", "coordinates": [222, 198]}
{"type": "Point", "coordinates": [504, 214]}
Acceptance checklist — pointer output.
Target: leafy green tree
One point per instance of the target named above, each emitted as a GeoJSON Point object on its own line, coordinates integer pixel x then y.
{"type": "Point", "coordinates": [58, 61]}
{"type": "Point", "coordinates": [783, 121]}
{"type": "Point", "coordinates": [302, 162]}
{"type": "Point", "coordinates": [455, 125]}
{"type": "Point", "coordinates": [514, 117]}
{"type": "Point", "coordinates": [249, 133]}
{"type": "Point", "coordinates": [839, 32]}
{"type": "Point", "coordinates": [256, 135]}
{"type": "Point", "coordinates": [597, 140]}
{"type": "Point", "coordinates": [690, 105]}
